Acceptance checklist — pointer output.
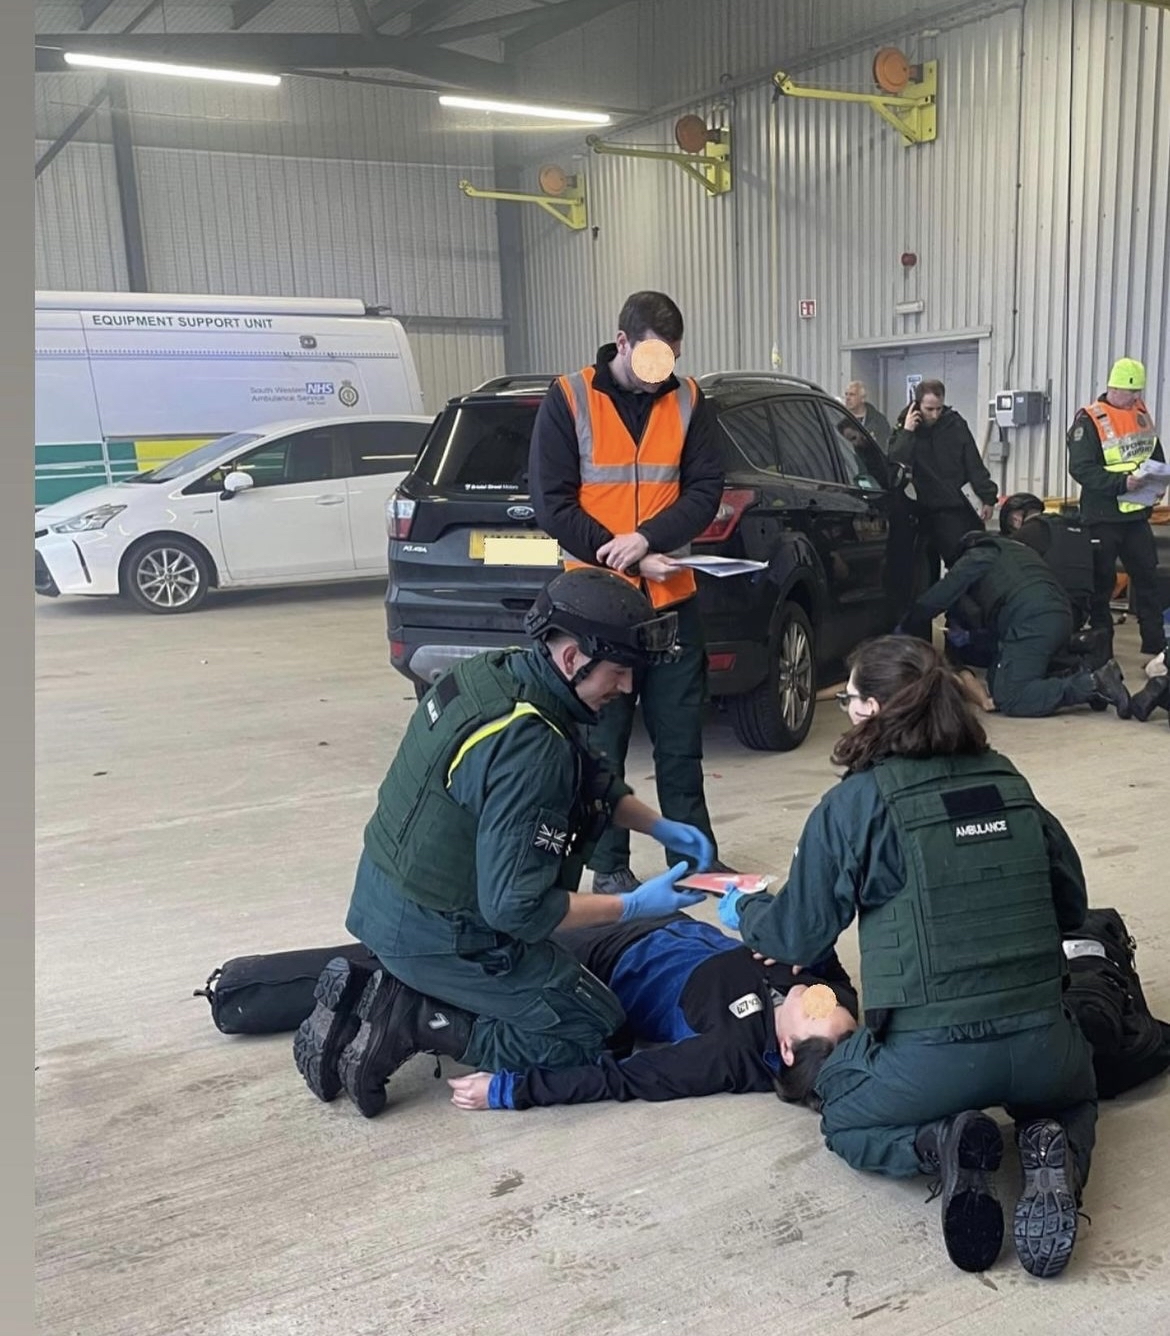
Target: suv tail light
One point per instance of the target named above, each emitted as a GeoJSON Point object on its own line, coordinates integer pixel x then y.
{"type": "Point", "coordinates": [735, 501]}
{"type": "Point", "coordinates": [399, 516]}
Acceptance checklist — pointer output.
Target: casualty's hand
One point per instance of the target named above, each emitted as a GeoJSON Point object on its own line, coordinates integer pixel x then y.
{"type": "Point", "coordinates": [985, 512]}
{"type": "Point", "coordinates": [688, 840]}
{"type": "Point", "coordinates": [912, 419]}
{"type": "Point", "coordinates": [658, 897]}
{"type": "Point", "coordinates": [623, 550]}
{"type": "Point", "coordinates": [768, 961]}
{"type": "Point", "coordinates": [654, 566]}
{"type": "Point", "coordinates": [470, 1092]}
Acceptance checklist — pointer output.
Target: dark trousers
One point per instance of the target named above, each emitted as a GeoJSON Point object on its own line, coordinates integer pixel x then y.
{"type": "Point", "coordinates": [672, 697]}
{"type": "Point", "coordinates": [878, 1094]}
{"type": "Point", "coordinates": [939, 534]}
{"type": "Point", "coordinates": [535, 1005]}
{"type": "Point", "coordinates": [1030, 635]}
{"type": "Point", "coordinates": [1131, 541]}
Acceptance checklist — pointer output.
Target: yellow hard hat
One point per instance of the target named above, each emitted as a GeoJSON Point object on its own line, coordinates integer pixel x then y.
{"type": "Point", "coordinates": [1127, 374]}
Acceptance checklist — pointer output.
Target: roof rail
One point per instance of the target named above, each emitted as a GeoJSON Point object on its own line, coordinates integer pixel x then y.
{"type": "Point", "coordinates": [724, 377]}
{"type": "Point", "coordinates": [515, 382]}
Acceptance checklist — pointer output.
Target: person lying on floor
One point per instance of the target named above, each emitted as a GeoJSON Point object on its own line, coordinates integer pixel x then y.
{"type": "Point", "coordinates": [722, 1020]}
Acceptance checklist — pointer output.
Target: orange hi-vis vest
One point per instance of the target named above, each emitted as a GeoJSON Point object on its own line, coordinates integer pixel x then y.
{"type": "Point", "coordinates": [624, 482]}
{"type": "Point", "coordinates": [1127, 440]}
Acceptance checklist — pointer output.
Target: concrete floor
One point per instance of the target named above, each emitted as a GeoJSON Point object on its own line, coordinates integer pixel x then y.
{"type": "Point", "coordinates": [202, 783]}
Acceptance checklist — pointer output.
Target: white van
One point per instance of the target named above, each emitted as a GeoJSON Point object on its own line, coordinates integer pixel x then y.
{"type": "Point", "coordinates": [126, 381]}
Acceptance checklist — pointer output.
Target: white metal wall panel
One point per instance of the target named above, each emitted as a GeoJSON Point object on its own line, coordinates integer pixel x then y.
{"type": "Point", "coordinates": [1062, 279]}
{"type": "Point", "coordinates": [78, 227]}
{"type": "Point", "coordinates": [453, 363]}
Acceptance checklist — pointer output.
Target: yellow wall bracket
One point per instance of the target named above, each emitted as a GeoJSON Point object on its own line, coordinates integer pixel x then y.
{"type": "Point", "coordinates": [912, 113]}
{"type": "Point", "coordinates": [711, 167]}
{"type": "Point", "coordinates": [568, 208]}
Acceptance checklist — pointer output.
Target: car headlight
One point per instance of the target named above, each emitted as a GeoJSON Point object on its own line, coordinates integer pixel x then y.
{"type": "Point", "coordinates": [97, 518]}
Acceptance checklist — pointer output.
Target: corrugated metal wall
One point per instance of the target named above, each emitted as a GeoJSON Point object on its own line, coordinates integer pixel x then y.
{"type": "Point", "coordinates": [316, 189]}
{"type": "Point", "coordinates": [826, 199]}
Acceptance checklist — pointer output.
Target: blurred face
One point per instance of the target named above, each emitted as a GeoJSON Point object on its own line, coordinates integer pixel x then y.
{"type": "Point", "coordinates": [931, 407]}
{"type": "Point", "coordinates": [854, 399]}
{"type": "Point", "coordinates": [857, 706]}
{"type": "Point", "coordinates": [1123, 398]}
{"type": "Point", "coordinates": [793, 1026]}
{"type": "Point", "coordinates": [622, 364]}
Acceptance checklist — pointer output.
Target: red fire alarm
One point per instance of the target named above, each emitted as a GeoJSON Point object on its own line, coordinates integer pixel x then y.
{"type": "Point", "coordinates": [909, 259]}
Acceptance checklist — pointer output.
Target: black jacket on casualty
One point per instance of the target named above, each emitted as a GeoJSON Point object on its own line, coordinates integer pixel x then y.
{"type": "Point", "coordinates": [554, 468]}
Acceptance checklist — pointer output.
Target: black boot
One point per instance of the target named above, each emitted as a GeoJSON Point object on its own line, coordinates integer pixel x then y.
{"type": "Point", "coordinates": [331, 1026]}
{"type": "Point", "coordinates": [1045, 1226]}
{"type": "Point", "coordinates": [1155, 693]}
{"type": "Point", "coordinates": [1110, 687]}
{"type": "Point", "coordinates": [964, 1151]}
{"type": "Point", "coordinates": [396, 1023]}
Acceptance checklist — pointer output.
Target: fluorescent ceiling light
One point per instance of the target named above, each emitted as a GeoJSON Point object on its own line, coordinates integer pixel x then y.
{"type": "Point", "coordinates": [525, 109]}
{"type": "Point", "coordinates": [87, 61]}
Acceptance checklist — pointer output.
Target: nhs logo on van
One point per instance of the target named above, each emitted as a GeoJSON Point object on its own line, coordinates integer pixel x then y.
{"type": "Point", "coordinates": [319, 387]}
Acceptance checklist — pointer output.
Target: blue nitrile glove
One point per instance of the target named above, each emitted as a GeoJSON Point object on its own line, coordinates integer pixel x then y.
{"type": "Point", "coordinates": [898, 630]}
{"type": "Point", "coordinates": [658, 896]}
{"type": "Point", "coordinates": [729, 908]}
{"type": "Point", "coordinates": [957, 636]}
{"type": "Point", "coordinates": [687, 840]}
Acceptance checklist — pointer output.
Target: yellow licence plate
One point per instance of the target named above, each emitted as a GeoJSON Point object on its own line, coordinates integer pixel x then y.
{"type": "Point", "coordinates": [526, 548]}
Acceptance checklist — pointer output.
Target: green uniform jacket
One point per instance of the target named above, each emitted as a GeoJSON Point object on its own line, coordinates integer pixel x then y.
{"type": "Point", "coordinates": [521, 786]}
{"type": "Point", "coordinates": [849, 858]}
{"type": "Point", "coordinates": [994, 584]}
{"type": "Point", "coordinates": [1100, 489]}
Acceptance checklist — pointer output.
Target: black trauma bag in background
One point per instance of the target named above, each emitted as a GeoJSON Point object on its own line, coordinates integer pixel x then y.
{"type": "Point", "coordinates": [273, 993]}
{"type": "Point", "coordinates": [1105, 995]}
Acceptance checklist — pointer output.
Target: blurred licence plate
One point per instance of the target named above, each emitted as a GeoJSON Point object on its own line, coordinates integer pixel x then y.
{"type": "Point", "coordinates": [513, 549]}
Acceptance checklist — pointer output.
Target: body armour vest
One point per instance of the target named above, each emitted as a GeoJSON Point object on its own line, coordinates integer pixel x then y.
{"type": "Point", "coordinates": [1019, 568]}
{"type": "Point", "coordinates": [1127, 441]}
{"type": "Point", "coordinates": [973, 936]}
{"type": "Point", "coordinates": [420, 837]}
{"type": "Point", "coordinates": [1070, 558]}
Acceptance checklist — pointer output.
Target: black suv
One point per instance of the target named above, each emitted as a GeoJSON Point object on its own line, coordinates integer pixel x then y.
{"type": "Point", "coordinates": [806, 490]}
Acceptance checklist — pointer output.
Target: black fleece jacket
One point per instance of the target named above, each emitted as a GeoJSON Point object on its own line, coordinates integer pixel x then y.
{"type": "Point", "coordinates": [554, 469]}
{"type": "Point", "coordinates": [942, 457]}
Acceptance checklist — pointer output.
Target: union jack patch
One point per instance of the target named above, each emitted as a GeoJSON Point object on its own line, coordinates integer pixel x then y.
{"type": "Point", "coordinates": [550, 839]}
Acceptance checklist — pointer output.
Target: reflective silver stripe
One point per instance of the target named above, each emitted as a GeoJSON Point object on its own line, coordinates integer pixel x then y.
{"type": "Point", "coordinates": [579, 405]}
{"type": "Point", "coordinates": [686, 394]}
{"type": "Point", "coordinates": [1104, 422]}
{"type": "Point", "coordinates": [630, 473]}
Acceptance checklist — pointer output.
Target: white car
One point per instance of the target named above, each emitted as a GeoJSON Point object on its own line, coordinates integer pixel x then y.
{"type": "Point", "coordinates": [292, 503]}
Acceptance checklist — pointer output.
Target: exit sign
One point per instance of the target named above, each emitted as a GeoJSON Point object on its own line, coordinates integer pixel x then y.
{"type": "Point", "coordinates": [808, 308]}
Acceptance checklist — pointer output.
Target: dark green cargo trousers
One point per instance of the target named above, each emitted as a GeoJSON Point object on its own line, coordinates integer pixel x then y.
{"type": "Point", "coordinates": [672, 696]}
{"type": "Point", "coordinates": [878, 1093]}
{"type": "Point", "coordinates": [535, 1005]}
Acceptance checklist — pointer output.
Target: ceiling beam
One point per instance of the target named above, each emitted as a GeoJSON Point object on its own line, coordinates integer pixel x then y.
{"type": "Point", "coordinates": [286, 51]}
{"type": "Point", "coordinates": [385, 11]}
{"type": "Point", "coordinates": [560, 19]}
{"type": "Point", "coordinates": [436, 14]}
{"type": "Point", "coordinates": [501, 23]}
{"type": "Point", "coordinates": [91, 11]}
{"type": "Point", "coordinates": [244, 11]}
{"type": "Point", "coordinates": [364, 22]}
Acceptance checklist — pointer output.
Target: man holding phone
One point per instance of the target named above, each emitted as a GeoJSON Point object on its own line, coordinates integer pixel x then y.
{"type": "Point", "coordinates": [935, 443]}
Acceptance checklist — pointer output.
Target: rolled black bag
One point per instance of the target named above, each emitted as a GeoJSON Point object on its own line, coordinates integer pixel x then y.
{"type": "Point", "coordinates": [274, 993]}
{"type": "Point", "coordinates": [1130, 1045]}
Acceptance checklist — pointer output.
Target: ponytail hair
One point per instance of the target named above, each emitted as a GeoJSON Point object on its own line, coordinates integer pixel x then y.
{"type": "Point", "coordinates": [924, 711]}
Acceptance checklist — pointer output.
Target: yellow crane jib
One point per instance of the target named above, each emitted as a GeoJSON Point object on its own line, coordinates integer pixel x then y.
{"type": "Point", "coordinates": [705, 152]}
{"type": "Point", "coordinates": [911, 111]}
{"type": "Point", "coordinates": [563, 198]}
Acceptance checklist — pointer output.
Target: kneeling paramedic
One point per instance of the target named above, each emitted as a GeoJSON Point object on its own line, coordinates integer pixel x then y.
{"type": "Point", "coordinates": [1019, 599]}
{"type": "Point", "coordinates": [962, 885]}
{"type": "Point", "coordinates": [483, 825]}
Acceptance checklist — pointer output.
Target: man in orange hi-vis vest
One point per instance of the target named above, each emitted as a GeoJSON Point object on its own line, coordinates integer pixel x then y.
{"type": "Point", "coordinates": [624, 469]}
{"type": "Point", "coordinates": [1109, 442]}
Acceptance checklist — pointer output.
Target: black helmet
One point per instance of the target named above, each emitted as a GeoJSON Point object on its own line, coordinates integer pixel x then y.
{"type": "Point", "coordinates": [1016, 502]}
{"type": "Point", "coordinates": [608, 617]}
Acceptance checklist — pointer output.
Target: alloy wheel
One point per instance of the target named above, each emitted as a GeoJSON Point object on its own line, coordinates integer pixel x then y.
{"type": "Point", "coordinates": [168, 577]}
{"type": "Point", "coordinates": [795, 675]}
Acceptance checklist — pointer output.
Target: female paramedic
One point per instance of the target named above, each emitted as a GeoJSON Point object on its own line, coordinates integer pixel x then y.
{"type": "Point", "coordinates": [962, 884]}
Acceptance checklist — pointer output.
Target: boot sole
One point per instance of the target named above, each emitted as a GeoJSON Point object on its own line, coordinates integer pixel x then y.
{"type": "Point", "coordinates": [323, 1035]}
{"type": "Point", "coordinates": [351, 1065]}
{"type": "Point", "coordinates": [1045, 1225]}
{"type": "Point", "coordinates": [972, 1217]}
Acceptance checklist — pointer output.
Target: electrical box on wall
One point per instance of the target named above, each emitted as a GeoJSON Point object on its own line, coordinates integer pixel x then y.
{"type": "Point", "coordinates": [1020, 408]}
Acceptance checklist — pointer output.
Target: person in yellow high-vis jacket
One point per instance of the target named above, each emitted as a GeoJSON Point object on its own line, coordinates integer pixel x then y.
{"type": "Point", "coordinates": [1109, 441]}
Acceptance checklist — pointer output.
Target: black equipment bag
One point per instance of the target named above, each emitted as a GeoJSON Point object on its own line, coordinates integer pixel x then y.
{"type": "Point", "coordinates": [273, 993]}
{"type": "Point", "coordinates": [1105, 996]}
